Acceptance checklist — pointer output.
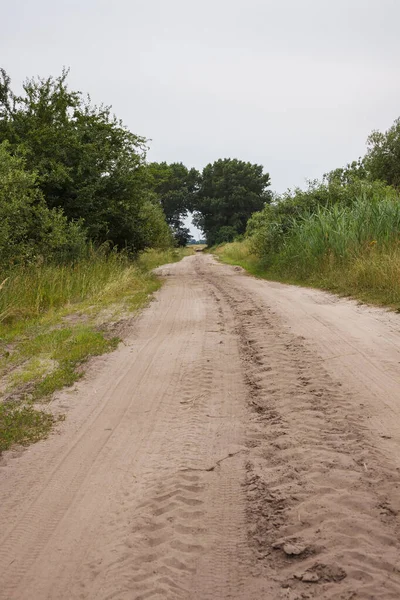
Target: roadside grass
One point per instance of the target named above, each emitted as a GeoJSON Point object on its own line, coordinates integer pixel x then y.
{"type": "Point", "coordinates": [22, 425]}
{"type": "Point", "coordinates": [53, 319]}
{"type": "Point", "coordinates": [150, 259]}
{"type": "Point", "coordinates": [197, 247]}
{"type": "Point", "coordinates": [239, 253]}
{"type": "Point", "coordinates": [373, 276]}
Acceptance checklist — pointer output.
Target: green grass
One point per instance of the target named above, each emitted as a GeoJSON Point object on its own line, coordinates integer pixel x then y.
{"type": "Point", "coordinates": [53, 319]}
{"type": "Point", "coordinates": [353, 250]}
{"type": "Point", "coordinates": [22, 424]}
{"type": "Point", "coordinates": [240, 253]}
{"type": "Point", "coordinates": [154, 258]}
{"type": "Point", "coordinates": [30, 292]}
{"type": "Point", "coordinates": [372, 277]}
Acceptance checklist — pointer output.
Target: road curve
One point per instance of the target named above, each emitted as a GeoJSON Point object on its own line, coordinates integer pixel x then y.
{"type": "Point", "coordinates": [243, 443]}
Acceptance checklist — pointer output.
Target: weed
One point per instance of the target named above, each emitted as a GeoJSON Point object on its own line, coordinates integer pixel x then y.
{"type": "Point", "coordinates": [22, 424]}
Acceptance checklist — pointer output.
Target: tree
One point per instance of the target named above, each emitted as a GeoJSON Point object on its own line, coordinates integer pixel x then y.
{"type": "Point", "coordinates": [182, 236]}
{"type": "Point", "coordinates": [174, 186]}
{"type": "Point", "coordinates": [28, 228]}
{"type": "Point", "coordinates": [87, 162]}
{"type": "Point", "coordinates": [383, 156]}
{"type": "Point", "coordinates": [230, 191]}
{"type": "Point", "coordinates": [352, 172]}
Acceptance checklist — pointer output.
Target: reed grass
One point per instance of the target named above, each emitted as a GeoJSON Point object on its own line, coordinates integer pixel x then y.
{"type": "Point", "coordinates": [352, 250]}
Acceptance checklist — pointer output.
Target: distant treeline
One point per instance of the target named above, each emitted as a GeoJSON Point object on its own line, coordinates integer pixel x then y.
{"type": "Point", "coordinates": [72, 175]}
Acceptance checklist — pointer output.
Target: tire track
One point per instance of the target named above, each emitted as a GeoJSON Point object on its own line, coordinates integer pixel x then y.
{"type": "Point", "coordinates": [219, 460]}
{"type": "Point", "coordinates": [154, 493]}
{"type": "Point", "coordinates": [319, 512]}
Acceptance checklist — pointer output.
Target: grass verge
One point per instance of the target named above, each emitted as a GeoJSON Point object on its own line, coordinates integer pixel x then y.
{"type": "Point", "coordinates": [372, 277]}
{"type": "Point", "coordinates": [52, 320]}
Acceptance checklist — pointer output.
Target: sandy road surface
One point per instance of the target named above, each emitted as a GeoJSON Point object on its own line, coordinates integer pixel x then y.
{"type": "Point", "coordinates": [244, 444]}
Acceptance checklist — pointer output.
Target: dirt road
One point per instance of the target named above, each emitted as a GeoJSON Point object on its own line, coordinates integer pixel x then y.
{"type": "Point", "coordinates": [244, 444]}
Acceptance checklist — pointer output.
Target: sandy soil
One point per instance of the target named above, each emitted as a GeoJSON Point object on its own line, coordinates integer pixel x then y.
{"type": "Point", "coordinates": [243, 443]}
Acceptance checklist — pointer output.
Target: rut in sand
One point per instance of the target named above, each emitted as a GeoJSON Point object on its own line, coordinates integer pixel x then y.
{"type": "Point", "coordinates": [242, 444]}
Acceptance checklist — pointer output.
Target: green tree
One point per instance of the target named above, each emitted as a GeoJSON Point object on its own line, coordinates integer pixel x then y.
{"type": "Point", "coordinates": [29, 230]}
{"type": "Point", "coordinates": [383, 156]}
{"type": "Point", "coordinates": [175, 186]}
{"type": "Point", "coordinates": [230, 191]}
{"type": "Point", "coordinates": [352, 172]}
{"type": "Point", "coordinates": [87, 162]}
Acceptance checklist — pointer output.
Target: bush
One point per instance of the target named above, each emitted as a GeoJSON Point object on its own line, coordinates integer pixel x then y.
{"type": "Point", "coordinates": [340, 234]}
{"type": "Point", "coordinates": [29, 230]}
{"type": "Point", "coordinates": [155, 231]}
{"type": "Point", "coordinates": [270, 229]}
{"type": "Point", "coordinates": [88, 164]}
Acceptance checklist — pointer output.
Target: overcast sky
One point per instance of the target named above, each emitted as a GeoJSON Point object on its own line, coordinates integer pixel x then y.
{"type": "Point", "coordinates": [295, 85]}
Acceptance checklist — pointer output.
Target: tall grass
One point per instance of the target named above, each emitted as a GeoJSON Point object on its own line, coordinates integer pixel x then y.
{"type": "Point", "coordinates": [241, 253]}
{"type": "Point", "coordinates": [352, 249]}
{"type": "Point", "coordinates": [150, 259]}
{"type": "Point", "coordinates": [52, 319]}
{"type": "Point", "coordinates": [28, 292]}
{"type": "Point", "coordinates": [339, 235]}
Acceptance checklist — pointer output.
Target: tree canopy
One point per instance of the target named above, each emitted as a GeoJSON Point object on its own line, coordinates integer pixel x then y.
{"type": "Point", "coordinates": [382, 160]}
{"type": "Point", "coordinates": [87, 163]}
{"type": "Point", "coordinates": [28, 228]}
{"type": "Point", "coordinates": [88, 174]}
{"type": "Point", "coordinates": [230, 192]}
{"type": "Point", "coordinates": [175, 186]}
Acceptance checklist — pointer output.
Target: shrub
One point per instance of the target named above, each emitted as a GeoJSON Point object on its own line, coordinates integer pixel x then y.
{"type": "Point", "coordinates": [270, 229]}
{"type": "Point", "coordinates": [29, 230]}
